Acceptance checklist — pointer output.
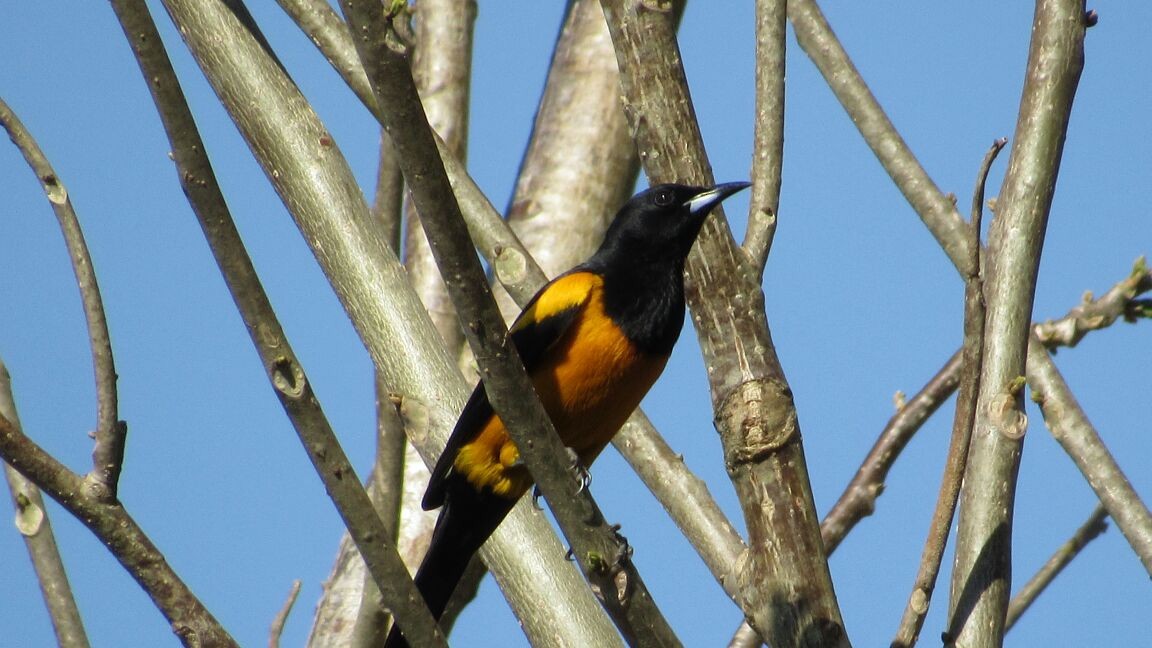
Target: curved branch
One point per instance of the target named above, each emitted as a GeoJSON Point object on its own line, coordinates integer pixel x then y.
{"type": "Point", "coordinates": [111, 524]}
{"type": "Point", "coordinates": [108, 452]}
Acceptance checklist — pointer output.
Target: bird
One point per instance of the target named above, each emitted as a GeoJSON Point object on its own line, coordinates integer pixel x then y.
{"type": "Point", "coordinates": [593, 341]}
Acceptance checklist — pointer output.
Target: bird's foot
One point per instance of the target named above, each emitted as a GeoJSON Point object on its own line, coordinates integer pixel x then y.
{"type": "Point", "coordinates": [623, 549]}
{"type": "Point", "coordinates": [582, 474]}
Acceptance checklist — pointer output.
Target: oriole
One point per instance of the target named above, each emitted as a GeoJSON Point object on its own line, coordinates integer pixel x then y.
{"type": "Point", "coordinates": [593, 341]}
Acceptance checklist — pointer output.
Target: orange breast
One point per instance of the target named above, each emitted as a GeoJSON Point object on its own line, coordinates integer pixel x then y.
{"type": "Point", "coordinates": [589, 383]}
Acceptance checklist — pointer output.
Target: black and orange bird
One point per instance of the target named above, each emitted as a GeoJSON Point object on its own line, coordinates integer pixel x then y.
{"type": "Point", "coordinates": [593, 341]}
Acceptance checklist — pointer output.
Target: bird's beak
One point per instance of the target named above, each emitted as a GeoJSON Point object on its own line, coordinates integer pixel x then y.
{"type": "Point", "coordinates": [704, 201]}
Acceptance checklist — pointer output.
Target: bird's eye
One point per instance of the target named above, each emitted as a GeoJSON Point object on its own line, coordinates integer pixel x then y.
{"type": "Point", "coordinates": [663, 197]}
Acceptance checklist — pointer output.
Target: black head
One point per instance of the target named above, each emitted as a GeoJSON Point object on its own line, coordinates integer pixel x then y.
{"type": "Point", "coordinates": [661, 223]}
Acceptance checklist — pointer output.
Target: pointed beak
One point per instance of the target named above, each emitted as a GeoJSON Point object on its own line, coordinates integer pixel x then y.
{"type": "Point", "coordinates": [704, 201]}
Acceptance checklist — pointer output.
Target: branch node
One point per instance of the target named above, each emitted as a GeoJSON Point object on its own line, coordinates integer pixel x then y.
{"type": "Point", "coordinates": [509, 264]}
{"type": "Point", "coordinates": [29, 516]}
{"type": "Point", "coordinates": [54, 189]}
{"type": "Point", "coordinates": [760, 419]}
{"type": "Point", "coordinates": [919, 600]}
{"type": "Point", "coordinates": [288, 377]}
{"type": "Point", "coordinates": [1009, 420]}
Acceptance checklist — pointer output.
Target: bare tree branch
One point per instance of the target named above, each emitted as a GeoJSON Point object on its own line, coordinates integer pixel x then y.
{"type": "Point", "coordinates": [441, 67]}
{"type": "Point", "coordinates": [859, 497]}
{"type": "Point", "coordinates": [386, 490]}
{"type": "Point", "coordinates": [939, 214]}
{"type": "Point", "coordinates": [580, 146]}
{"type": "Point", "coordinates": [686, 499]}
{"type": "Point", "coordinates": [787, 590]}
{"type": "Point", "coordinates": [810, 24]}
{"type": "Point", "coordinates": [110, 433]}
{"type": "Point", "coordinates": [917, 607]}
{"type": "Point", "coordinates": [36, 528]}
{"type": "Point", "coordinates": [522, 549]}
{"type": "Point", "coordinates": [282, 367]}
{"type": "Point", "coordinates": [507, 384]}
{"type": "Point", "coordinates": [1099, 313]}
{"type": "Point", "coordinates": [389, 198]}
{"type": "Point", "coordinates": [767, 159]}
{"type": "Point", "coordinates": [111, 524]}
{"type": "Point", "coordinates": [282, 616]}
{"type": "Point", "coordinates": [982, 573]}
{"type": "Point", "coordinates": [768, 143]}
{"type": "Point", "coordinates": [1070, 426]}
{"type": "Point", "coordinates": [1096, 524]}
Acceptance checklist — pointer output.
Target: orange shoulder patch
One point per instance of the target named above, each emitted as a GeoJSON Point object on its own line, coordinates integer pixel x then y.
{"type": "Point", "coordinates": [569, 291]}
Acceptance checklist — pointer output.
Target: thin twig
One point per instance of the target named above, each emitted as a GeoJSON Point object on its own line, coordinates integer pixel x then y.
{"type": "Point", "coordinates": [282, 616]}
{"type": "Point", "coordinates": [389, 197]}
{"type": "Point", "coordinates": [859, 498]}
{"type": "Point", "coordinates": [280, 363]}
{"type": "Point", "coordinates": [1070, 426]}
{"type": "Point", "coordinates": [1097, 313]}
{"type": "Point", "coordinates": [35, 527]}
{"type": "Point", "coordinates": [111, 524]}
{"type": "Point", "coordinates": [925, 583]}
{"type": "Point", "coordinates": [1096, 524]}
{"type": "Point", "coordinates": [108, 453]}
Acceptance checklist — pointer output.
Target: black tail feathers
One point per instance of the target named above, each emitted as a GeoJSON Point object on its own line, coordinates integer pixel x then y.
{"type": "Point", "coordinates": [466, 520]}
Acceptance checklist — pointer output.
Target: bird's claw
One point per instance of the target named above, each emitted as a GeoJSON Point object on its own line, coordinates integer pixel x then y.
{"type": "Point", "coordinates": [623, 549]}
{"type": "Point", "coordinates": [582, 475]}
{"type": "Point", "coordinates": [536, 495]}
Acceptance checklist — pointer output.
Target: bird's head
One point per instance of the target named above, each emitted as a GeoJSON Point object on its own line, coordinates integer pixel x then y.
{"type": "Point", "coordinates": [663, 221]}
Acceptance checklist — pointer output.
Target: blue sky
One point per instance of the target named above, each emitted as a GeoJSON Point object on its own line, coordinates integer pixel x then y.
{"type": "Point", "coordinates": [861, 302]}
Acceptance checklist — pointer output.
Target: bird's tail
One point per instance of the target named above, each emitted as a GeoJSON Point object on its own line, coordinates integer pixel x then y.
{"type": "Point", "coordinates": [465, 522]}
